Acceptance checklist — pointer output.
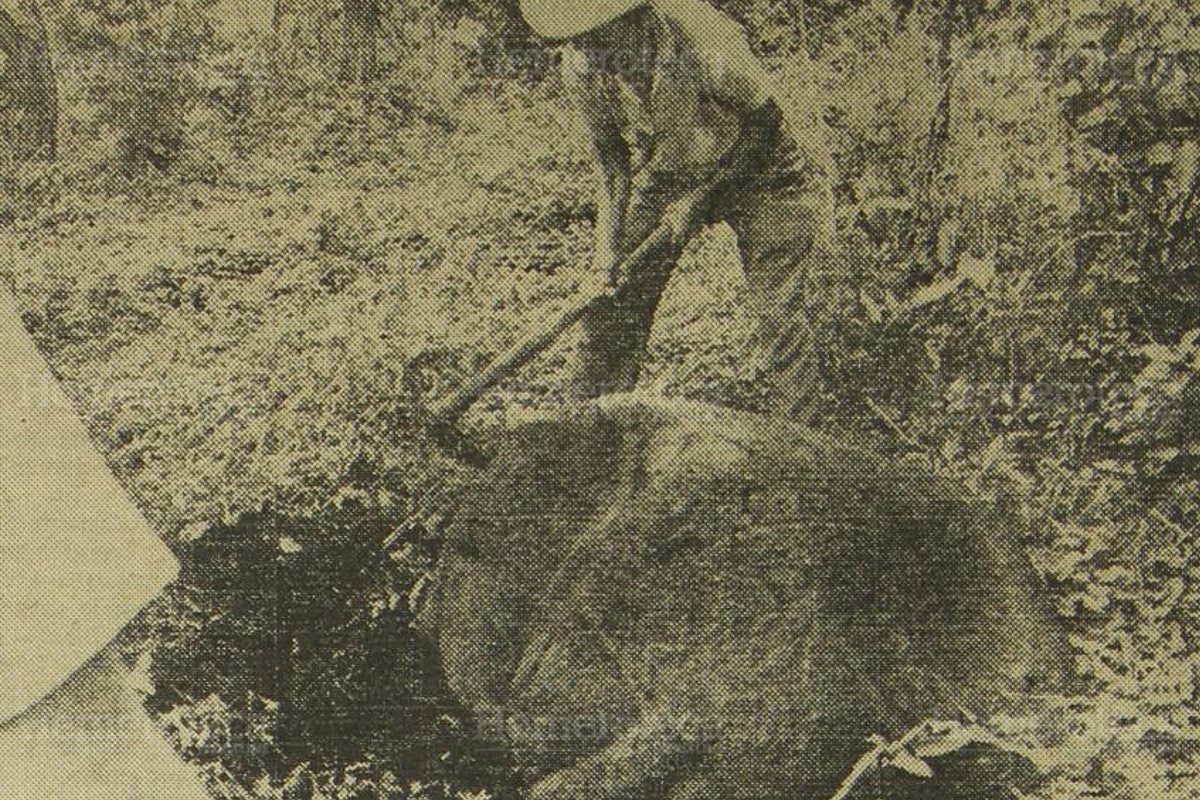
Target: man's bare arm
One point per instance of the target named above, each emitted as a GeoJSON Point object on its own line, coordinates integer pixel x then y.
{"type": "Point", "coordinates": [720, 48]}
{"type": "Point", "coordinates": [594, 95]}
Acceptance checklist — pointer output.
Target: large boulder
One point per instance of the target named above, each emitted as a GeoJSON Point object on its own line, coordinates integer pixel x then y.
{"type": "Point", "coordinates": [656, 598]}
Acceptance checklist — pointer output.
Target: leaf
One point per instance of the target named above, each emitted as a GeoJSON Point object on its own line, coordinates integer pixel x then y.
{"type": "Point", "coordinates": [956, 739]}
{"type": "Point", "coordinates": [138, 677]}
{"type": "Point", "coordinates": [979, 271]}
{"type": "Point", "coordinates": [417, 594]}
{"type": "Point", "coordinates": [934, 354]}
{"type": "Point", "coordinates": [1159, 354]}
{"type": "Point", "coordinates": [907, 762]}
{"type": "Point", "coordinates": [947, 242]}
{"type": "Point", "coordinates": [885, 203]}
{"type": "Point", "coordinates": [1160, 154]}
{"type": "Point", "coordinates": [1097, 116]}
{"type": "Point", "coordinates": [933, 293]}
{"type": "Point", "coordinates": [194, 532]}
{"type": "Point", "coordinates": [1070, 90]}
{"type": "Point", "coordinates": [1096, 599]}
{"type": "Point", "coordinates": [873, 309]}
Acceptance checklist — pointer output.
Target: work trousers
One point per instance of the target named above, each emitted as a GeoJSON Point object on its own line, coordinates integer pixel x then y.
{"type": "Point", "coordinates": [780, 207]}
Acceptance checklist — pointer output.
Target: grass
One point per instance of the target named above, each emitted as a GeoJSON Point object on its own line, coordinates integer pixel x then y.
{"type": "Point", "coordinates": [250, 340]}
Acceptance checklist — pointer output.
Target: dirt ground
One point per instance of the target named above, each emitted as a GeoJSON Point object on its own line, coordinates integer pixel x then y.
{"type": "Point", "coordinates": [262, 344]}
{"type": "Point", "coordinates": [251, 338]}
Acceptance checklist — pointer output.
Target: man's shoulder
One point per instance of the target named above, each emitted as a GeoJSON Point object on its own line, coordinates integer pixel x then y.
{"type": "Point", "coordinates": [717, 43]}
{"type": "Point", "coordinates": [701, 20]}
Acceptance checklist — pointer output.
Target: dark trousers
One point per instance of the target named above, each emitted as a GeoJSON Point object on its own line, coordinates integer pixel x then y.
{"type": "Point", "coordinates": [782, 215]}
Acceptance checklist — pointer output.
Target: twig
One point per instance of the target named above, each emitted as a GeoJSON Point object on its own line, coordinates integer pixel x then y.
{"type": "Point", "coordinates": [931, 294]}
{"type": "Point", "coordinates": [10, 34]}
{"type": "Point", "coordinates": [1180, 214]}
{"type": "Point", "coordinates": [874, 758]}
{"type": "Point", "coordinates": [895, 427]}
{"type": "Point", "coordinates": [402, 530]}
{"type": "Point", "coordinates": [1174, 527]}
{"type": "Point", "coordinates": [229, 786]}
{"type": "Point", "coordinates": [865, 765]}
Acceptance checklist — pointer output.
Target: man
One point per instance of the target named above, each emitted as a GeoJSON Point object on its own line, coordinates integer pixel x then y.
{"type": "Point", "coordinates": [77, 562]}
{"type": "Point", "coordinates": [679, 110]}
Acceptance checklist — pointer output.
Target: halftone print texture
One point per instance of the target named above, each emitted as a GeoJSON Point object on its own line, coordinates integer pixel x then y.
{"type": "Point", "coordinates": [620, 400]}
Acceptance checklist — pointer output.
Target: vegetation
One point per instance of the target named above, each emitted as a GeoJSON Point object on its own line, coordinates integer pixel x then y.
{"type": "Point", "coordinates": [251, 247]}
{"type": "Point", "coordinates": [33, 120]}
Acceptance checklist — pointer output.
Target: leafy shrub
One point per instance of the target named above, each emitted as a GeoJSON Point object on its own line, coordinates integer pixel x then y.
{"type": "Point", "coordinates": [141, 55]}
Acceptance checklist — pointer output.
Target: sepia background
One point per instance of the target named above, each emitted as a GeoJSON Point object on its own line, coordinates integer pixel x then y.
{"type": "Point", "coordinates": [253, 239]}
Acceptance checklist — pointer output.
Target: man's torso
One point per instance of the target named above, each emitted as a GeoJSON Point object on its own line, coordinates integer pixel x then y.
{"type": "Point", "coordinates": [682, 94]}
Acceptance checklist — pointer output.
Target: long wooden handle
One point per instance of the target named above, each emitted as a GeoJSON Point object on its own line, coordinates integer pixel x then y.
{"type": "Point", "coordinates": [448, 410]}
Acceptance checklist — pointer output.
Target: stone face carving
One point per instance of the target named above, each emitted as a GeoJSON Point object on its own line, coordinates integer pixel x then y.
{"type": "Point", "coordinates": [664, 599]}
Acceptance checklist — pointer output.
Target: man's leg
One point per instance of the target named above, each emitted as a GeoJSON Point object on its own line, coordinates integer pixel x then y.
{"type": "Point", "coordinates": [786, 242]}
{"type": "Point", "coordinates": [609, 357]}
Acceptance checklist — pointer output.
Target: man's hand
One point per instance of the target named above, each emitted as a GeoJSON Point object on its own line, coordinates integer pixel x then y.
{"type": "Point", "coordinates": [684, 215]}
{"type": "Point", "coordinates": [605, 263]}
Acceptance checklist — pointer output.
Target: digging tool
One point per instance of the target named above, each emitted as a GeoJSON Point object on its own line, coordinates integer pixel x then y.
{"type": "Point", "coordinates": [444, 414]}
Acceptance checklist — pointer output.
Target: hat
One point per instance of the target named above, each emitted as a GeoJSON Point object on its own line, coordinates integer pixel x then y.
{"type": "Point", "coordinates": [558, 20]}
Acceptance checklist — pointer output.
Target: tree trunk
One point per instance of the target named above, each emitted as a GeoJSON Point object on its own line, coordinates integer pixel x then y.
{"type": "Point", "coordinates": [360, 24]}
{"type": "Point", "coordinates": [28, 85]}
{"type": "Point", "coordinates": [799, 19]}
{"type": "Point", "coordinates": [937, 142]}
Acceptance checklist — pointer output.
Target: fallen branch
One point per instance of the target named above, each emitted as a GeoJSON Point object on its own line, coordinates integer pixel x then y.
{"type": "Point", "coordinates": [877, 758]}
{"type": "Point", "coordinates": [928, 739]}
{"type": "Point", "coordinates": [894, 426]}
